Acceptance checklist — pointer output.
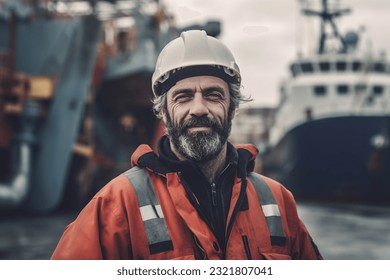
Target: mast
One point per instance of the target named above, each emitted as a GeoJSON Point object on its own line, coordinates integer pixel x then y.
{"type": "Point", "coordinates": [327, 17]}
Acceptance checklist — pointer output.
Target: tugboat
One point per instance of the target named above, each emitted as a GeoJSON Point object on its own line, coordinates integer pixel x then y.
{"type": "Point", "coordinates": [330, 136]}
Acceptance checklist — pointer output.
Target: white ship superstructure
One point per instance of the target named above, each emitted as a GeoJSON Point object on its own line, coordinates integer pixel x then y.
{"type": "Point", "coordinates": [332, 85]}
{"type": "Point", "coordinates": [330, 137]}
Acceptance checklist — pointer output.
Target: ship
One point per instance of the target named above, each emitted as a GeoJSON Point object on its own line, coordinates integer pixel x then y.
{"type": "Point", "coordinates": [330, 135]}
{"type": "Point", "coordinates": [75, 96]}
{"type": "Point", "coordinates": [47, 58]}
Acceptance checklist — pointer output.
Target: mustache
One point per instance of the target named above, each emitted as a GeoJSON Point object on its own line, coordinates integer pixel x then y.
{"type": "Point", "coordinates": [199, 121]}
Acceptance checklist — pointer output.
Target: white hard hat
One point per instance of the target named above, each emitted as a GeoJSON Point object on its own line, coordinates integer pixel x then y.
{"type": "Point", "coordinates": [194, 53]}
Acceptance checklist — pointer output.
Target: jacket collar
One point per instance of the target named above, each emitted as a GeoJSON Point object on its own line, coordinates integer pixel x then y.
{"type": "Point", "coordinates": [166, 162]}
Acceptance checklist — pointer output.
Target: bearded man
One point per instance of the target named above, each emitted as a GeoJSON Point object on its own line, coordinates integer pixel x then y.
{"type": "Point", "coordinates": [199, 197]}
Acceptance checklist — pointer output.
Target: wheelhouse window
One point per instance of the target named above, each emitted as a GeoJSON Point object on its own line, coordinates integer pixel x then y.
{"type": "Point", "coordinates": [324, 66]}
{"type": "Point", "coordinates": [342, 89]}
{"type": "Point", "coordinates": [294, 68]}
{"type": "Point", "coordinates": [380, 67]}
{"type": "Point", "coordinates": [320, 90]}
{"type": "Point", "coordinates": [341, 66]}
{"type": "Point", "coordinates": [357, 66]}
{"type": "Point", "coordinates": [377, 90]}
{"type": "Point", "coordinates": [307, 67]}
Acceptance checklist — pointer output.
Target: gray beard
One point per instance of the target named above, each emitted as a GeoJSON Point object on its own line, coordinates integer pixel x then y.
{"type": "Point", "coordinates": [199, 146]}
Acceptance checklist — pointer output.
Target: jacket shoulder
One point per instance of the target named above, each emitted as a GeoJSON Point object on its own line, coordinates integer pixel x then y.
{"type": "Point", "coordinates": [139, 152]}
{"type": "Point", "coordinates": [277, 188]}
{"type": "Point", "coordinates": [118, 187]}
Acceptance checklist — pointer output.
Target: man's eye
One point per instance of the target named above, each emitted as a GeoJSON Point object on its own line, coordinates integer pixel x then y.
{"type": "Point", "coordinates": [181, 97]}
{"type": "Point", "coordinates": [214, 95]}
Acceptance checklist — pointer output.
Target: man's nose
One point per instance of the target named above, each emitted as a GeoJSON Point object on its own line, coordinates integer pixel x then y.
{"type": "Point", "coordinates": [199, 105]}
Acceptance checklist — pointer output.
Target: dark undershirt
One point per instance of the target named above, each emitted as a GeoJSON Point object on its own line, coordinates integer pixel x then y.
{"type": "Point", "coordinates": [213, 210]}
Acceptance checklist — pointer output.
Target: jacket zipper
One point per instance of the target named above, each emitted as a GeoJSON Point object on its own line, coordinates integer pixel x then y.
{"type": "Point", "coordinates": [246, 247]}
{"type": "Point", "coordinates": [241, 197]}
{"type": "Point", "coordinates": [214, 194]}
{"type": "Point", "coordinates": [214, 198]}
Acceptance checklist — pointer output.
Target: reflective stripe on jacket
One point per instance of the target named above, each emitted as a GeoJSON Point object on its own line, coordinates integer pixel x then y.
{"type": "Point", "coordinates": [145, 215]}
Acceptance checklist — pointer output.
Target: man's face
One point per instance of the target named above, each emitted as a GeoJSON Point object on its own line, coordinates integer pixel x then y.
{"type": "Point", "coordinates": [197, 117]}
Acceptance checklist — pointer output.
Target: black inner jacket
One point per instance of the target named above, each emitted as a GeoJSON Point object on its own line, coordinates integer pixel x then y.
{"type": "Point", "coordinates": [213, 206]}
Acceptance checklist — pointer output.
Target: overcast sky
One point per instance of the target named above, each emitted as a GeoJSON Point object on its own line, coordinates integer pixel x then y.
{"type": "Point", "coordinates": [264, 35]}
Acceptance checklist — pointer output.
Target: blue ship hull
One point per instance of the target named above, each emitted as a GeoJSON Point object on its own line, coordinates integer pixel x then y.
{"type": "Point", "coordinates": [333, 159]}
{"type": "Point", "coordinates": [64, 49]}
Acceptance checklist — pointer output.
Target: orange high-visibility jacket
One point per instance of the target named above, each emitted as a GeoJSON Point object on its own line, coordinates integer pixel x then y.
{"type": "Point", "coordinates": [142, 214]}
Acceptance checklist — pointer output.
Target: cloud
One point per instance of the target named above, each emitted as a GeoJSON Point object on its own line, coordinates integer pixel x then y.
{"type": "Point", "coordinates": [264, 35]}
{"type": "Point", "coordinates": [187, 13]}
{"type": "Point", "coordinates": [254, 30]}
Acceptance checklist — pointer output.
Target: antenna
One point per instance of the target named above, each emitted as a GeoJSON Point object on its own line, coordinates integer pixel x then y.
{"type": "Point", "coordinates": [327, 16]}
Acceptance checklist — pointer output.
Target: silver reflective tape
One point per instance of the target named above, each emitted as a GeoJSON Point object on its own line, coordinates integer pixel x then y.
{"type": "Point", "coordinates": [159, 211]}
{"type": "Point", "coordinates": [156, 231]}
{"type": "Point", "coordinates": [275, 226]}
{"type": "Point", "coordinates": [150, 210]}
{"type": "Point", "coordinates": [271, 210]}
{"type": "Point", "coordinates": [147, 212]}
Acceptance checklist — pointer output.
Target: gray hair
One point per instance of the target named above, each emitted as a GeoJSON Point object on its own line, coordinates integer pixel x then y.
{"type": "Point", "coordinates": [236, 97]}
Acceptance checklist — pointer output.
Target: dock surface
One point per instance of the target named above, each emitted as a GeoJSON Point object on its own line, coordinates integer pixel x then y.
{"type": "Point", "coordinates": [342, 232]}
